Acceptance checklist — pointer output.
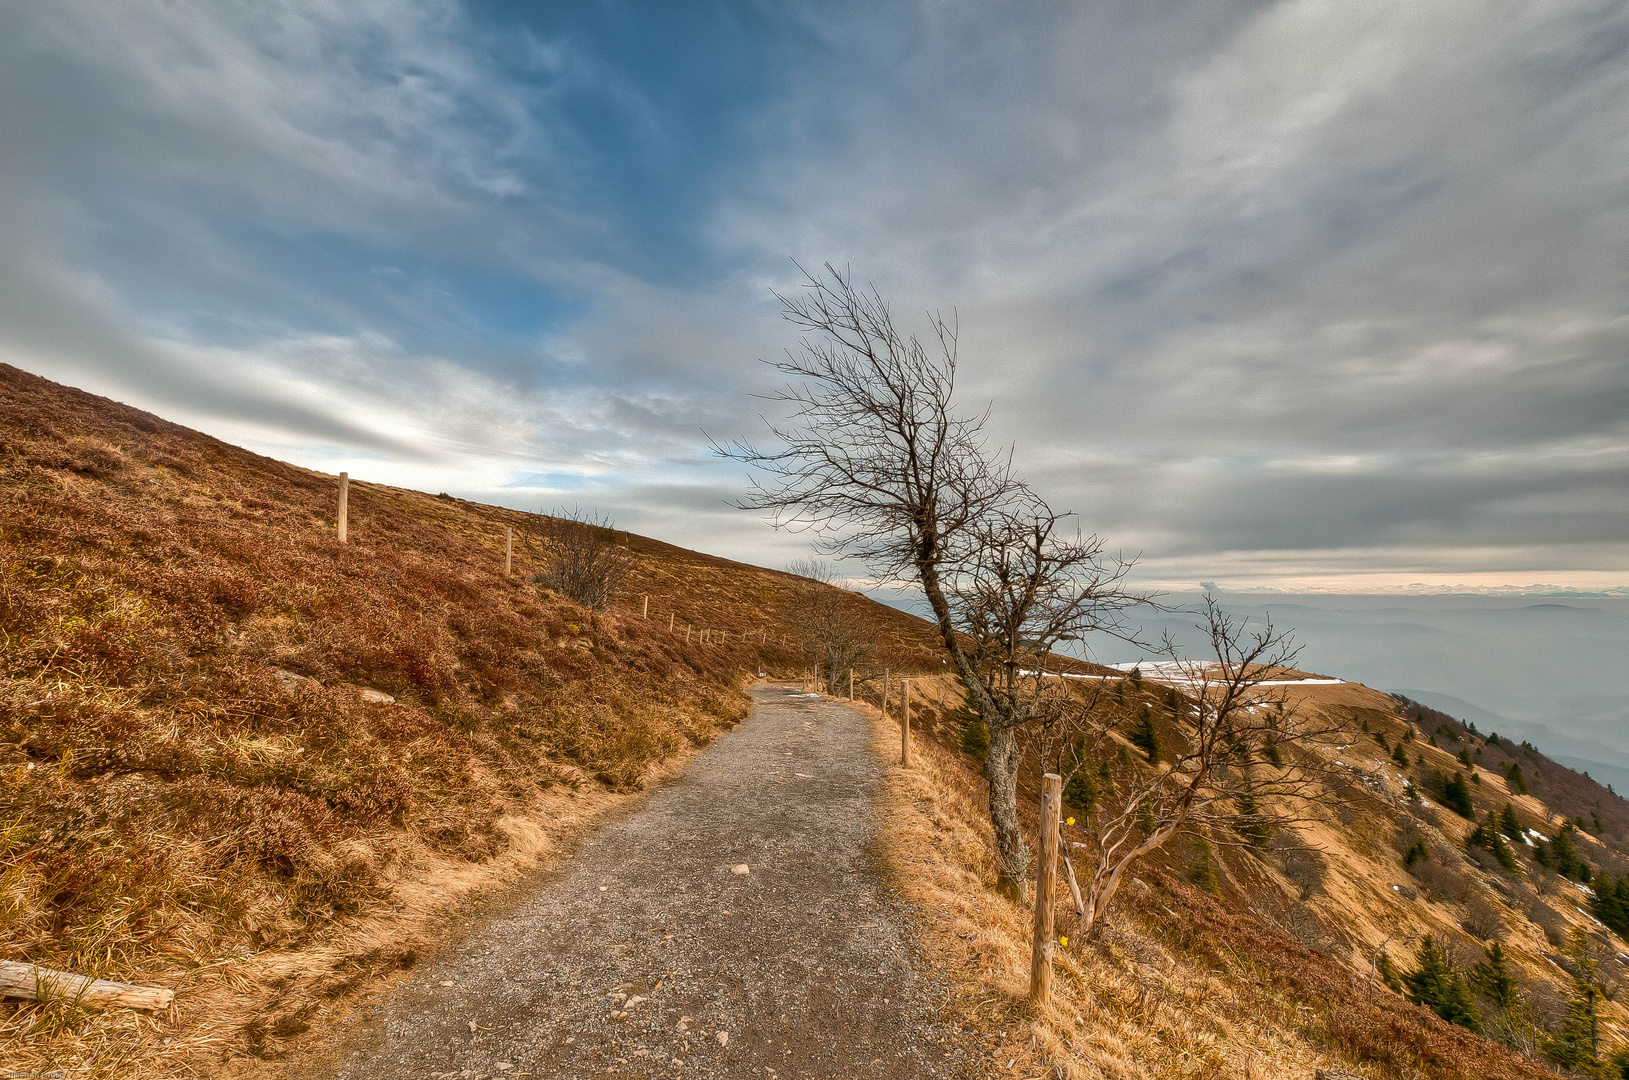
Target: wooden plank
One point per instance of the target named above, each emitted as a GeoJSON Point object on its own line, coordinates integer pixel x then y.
{"type": "Point", "coordinates": [38, 983]}
{"type": "Point", "coordinates": [1040, 959]}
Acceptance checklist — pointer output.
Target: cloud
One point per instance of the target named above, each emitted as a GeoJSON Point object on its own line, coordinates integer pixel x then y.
{"type": "Point", "coordinates": [1294, 289]}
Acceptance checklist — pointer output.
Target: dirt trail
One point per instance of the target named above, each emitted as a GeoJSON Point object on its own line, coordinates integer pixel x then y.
{"type": "Point", "coordinates": [645, 951]}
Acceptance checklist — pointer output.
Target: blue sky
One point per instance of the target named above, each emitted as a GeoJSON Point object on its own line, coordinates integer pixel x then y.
{"type": "Point", "coordinates": [1296, 295]}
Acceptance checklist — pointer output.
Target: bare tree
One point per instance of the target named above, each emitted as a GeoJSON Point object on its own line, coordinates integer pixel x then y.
{"type": "Point", "coordinates": [577, 555]}
{"type": "Point", "coordinates": [1239, 763]}
{"type": "Point", "coordinates": [879, 463]}
{"type": "Point", "coordinates": [832, 633]}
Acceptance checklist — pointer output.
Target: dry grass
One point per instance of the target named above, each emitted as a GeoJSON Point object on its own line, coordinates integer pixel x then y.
{"type": "Point", "coordinates": [200, 787]}
{"type": "Point", "coordinates": [1176, 985]}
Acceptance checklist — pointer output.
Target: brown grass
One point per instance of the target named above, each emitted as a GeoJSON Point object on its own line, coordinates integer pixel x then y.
{"type": "Point", "coordinates": [199, 786]}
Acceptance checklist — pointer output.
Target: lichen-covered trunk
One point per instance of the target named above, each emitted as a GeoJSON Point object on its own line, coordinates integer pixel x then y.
{"type": "Point", "coordinates": [1012, 853]}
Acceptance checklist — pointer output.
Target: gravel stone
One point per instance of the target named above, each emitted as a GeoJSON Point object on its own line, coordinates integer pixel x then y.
{"type": "Point", "coordinates": [645, 956]}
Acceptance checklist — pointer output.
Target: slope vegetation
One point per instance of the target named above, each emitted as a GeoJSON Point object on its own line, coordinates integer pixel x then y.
{"type": "Point", "coordinates": [247, 762]}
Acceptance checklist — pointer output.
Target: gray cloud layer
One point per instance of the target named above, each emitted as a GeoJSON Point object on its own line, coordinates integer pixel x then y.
{"type": "Point", "coordinates": [1269, 291]}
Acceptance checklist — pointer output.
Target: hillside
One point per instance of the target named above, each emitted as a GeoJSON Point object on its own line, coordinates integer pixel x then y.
{"type": "Point", "coordinates": [249, 763]}
{"type": "Point", "coordinates": [244, 761]}
{"type": "Point", "coordinates": [1280, 971]}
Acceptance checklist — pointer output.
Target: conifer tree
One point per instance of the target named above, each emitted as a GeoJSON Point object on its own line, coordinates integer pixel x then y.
{"type": "Point", "coordinates": [1514, 777]}
{"type": "Point", "coordinates": [1492, 978]}
{"type": "Point", "coordinates": [1465, 759]}
{"type": "Point", "coordinates": [1416, 853]}
{"type": "Point", "coordinates": [1202, 867]}
{"type": "Point", "coordinates": [1249, 824]}
{"type": "Point", "coordinates": [1564, 857]}
{"type": "Point", "coordinates": [1081, 791]}
{"type": "Point", "coordinates": [1611, 903]}
{"type": "Point", "coordinates": [1487, 835]}
{"type": "Point", "coordinates": [1438, 987]}
{"type": "Point", "coordinates": [1456, 796]}
{"type": "Point", "coordinates": [1578, 1043]}
{"type": "Point", "coordinates": [1388, 973]}
{"type": "Point", "coordinates": [1144, 737]}
{"type": "Point", "coordinates": [1511, 825]}
{"type": "Point", "coordinates": [1399, 756]}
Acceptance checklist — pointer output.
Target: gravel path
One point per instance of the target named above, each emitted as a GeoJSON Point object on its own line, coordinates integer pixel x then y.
{"type": "Point", "coordinates": [646, 955]}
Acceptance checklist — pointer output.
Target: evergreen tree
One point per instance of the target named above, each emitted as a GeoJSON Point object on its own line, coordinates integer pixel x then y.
{"type": "Point", "coordinates": [1511, 825]}
{"type": "Point", "coordinates": [1465, 759]}
{"type": "Point", "coordinates": [1416, 853]}
{"type": "Point", "coordinates": [1144, 737]}
{"type": "Point", "coordinates": [1578, 1043]}
{"type": "Point", "coordinates": [1514, 777]}
{"type": "Point", "coordinates": [1456, 796]}
{"type": "Point", "coordinates": [1611, 903]}
{"type": "Point", "coordinates": [1493, 980]}
{"type": "Point", "coordinates": [1398, 756]}
{"type": "Point", "coordinates": [1081, 790]}
{"type": "Point", "coordinates": [1437, 986]}
{"type": "Point", "coordinates": [1565, 858]}
{"type": "Point", "coordinates": [1488, 836]}
{"type": "Point", "coordinates": [1380, 737]}
{"type": "Point", "coordinates": [1248, 823]}
{"type": "Point", "coordinates": [1388, 973]}
{"type": "Point", "coordinates": [1202, 867]}
{"type": "Point", "coordinates": [975, 737]}
{"type": "Point", "coordinates": [1274, 755]}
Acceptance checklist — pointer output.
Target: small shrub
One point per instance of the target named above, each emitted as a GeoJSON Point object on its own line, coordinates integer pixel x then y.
{"type": "Point", "coordinates": [1201, 867]}
{"type": "Point", "coordinates": [1437, 986]}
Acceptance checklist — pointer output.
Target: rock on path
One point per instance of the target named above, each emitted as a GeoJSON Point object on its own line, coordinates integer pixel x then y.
{"type": "Point", "coordinates": [649, 954]}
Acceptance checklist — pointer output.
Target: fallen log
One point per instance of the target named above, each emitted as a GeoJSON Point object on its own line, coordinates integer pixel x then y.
{"type": "Point", "coordinates": [38, 983]}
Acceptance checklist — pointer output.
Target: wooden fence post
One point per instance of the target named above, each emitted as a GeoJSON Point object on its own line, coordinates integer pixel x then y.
{"type": "Point", "coordinates": [905, 727]}
{"type": "Point", "coordinates": [1040, 963]}
{"type": "Point", "coordinates": [508, 550]}
{"type": "Point", "coordinates": [851, 684]}
{"type": "Point", "coordinates": [344, 506]}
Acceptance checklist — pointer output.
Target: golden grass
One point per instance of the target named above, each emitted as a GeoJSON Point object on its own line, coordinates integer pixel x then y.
{"type": "Point", "coordinates": [1172, 986]}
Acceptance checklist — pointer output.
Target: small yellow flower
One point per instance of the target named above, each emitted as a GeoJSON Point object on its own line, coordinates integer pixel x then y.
{"type": "Point", "coordinates": [1064, 941]}
{"type": "Point", "coordinates": [1071, 821]}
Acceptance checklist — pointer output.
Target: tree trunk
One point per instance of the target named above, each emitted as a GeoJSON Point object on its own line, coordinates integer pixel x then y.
{"type": "Point", "coordinates": [1012, 852]}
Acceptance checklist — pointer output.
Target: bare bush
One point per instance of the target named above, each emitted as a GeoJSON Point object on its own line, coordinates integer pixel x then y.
{"type": "Point", "coordinates": [578, 556]}
{"type": "Point", "coordinates": [1483, 919]}
{"type": "Point", "coordinates": [1304, 867]}
{"type": "Point", "coordinates": [1216, 777]}
{"type": "Point", "coordinates": [831, 631]}
{"type": "Point", "coordinates": [1443, 882]}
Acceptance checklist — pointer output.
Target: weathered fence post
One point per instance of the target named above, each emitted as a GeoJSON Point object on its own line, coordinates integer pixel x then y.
{"type": "Point", "coordinates": [905, 726]}
{"type": "Point", "coordinates": [344, 506]}
{"type": "Point", "coordinates": [1040, 963]}
{"type": "Point", "coordinates": [508, 550]}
